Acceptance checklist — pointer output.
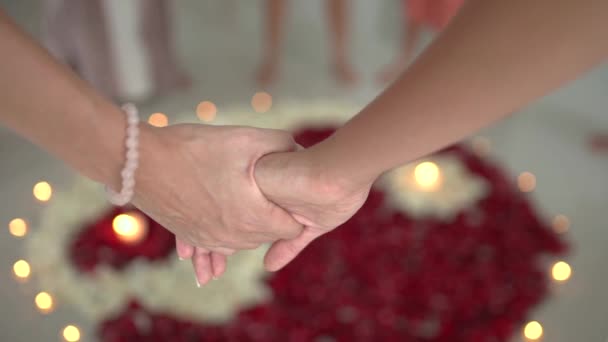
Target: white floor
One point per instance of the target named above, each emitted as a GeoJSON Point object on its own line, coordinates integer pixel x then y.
{"type": "Point", "coordinates": [221, 46]}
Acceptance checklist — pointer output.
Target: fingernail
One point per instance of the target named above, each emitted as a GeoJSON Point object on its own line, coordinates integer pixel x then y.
{"type": "Point", "coordinates": [197, 283]}
{"type": "Point", "coordinates": [215, 278]}
{"type": "Point", "coordinates": [180, 258]}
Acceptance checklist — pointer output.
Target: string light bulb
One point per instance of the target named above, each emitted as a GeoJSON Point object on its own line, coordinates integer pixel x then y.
{"type": "Point", "coordinates": [21, 269]}
{"type": "Point", "coordinates": [533, 331]}
{"type": "Point", "coordinates": [158, 120]}
{"type": "Point", "coordinates": [561, 271]}
{"type": "Point", "coordinates": [261, 102]}
{"type": "Point", "coordinates": [130, 228]}
{"type": "Point", "coordinates": [206, 111]}
{"type": "Point", "coordinates": [71, 333]}
{"type": "Point", "coordinates": [44, 302]}
{"type": "Point", "coordinates": [42, 191]}
{"type": "Point", "coordinates": [526, 182]}
{"type": "Point", "coordinates": [427, 175]}
{"type": "Point", "coordinates": [17, 227]}
{"type": "Point", "coordinates": [561, 224]}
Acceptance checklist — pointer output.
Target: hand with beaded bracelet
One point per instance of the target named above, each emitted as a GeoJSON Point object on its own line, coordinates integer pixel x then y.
{"type": "Point", "coordinates": [195, 180]}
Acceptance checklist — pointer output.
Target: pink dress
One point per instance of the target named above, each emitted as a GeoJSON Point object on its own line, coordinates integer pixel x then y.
{"type": "Point", "coordinates": [435, 14]}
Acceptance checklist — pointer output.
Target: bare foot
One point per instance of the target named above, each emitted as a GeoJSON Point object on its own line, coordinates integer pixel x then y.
{"type": "Point", "coordinates": [344, 73]}
{"type": "Point", "coordinates": [267, 73]}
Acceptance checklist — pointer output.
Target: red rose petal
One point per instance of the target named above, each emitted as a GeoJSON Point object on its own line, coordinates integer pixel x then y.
{"type": "Point", "coordinates": [382, 276]}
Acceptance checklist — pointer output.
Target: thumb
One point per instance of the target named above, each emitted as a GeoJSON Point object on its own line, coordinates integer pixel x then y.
{"type": "Point", "coordinates": [283, 252]}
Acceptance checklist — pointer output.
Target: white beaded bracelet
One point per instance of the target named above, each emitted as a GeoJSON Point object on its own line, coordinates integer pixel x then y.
{"type": "Point", "coordinates": [128, 172]}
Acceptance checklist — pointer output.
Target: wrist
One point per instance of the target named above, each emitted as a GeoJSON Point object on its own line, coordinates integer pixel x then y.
{"type": "Point", "coordinates": [97, 149]}
{"type": "Point", "coordinates": [330, 165]}
{"type": "Point", "coordinates": [109, 157]}
{"type": "Point", "coordinates": [330, 177]}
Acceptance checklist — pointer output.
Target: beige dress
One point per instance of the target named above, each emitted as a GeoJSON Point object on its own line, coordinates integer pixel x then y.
{"type": "Point", "coordinates": [82, 34]}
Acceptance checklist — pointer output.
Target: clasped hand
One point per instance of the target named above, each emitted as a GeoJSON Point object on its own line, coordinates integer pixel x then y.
{"type": "Point", "coordinates": [221, 189]}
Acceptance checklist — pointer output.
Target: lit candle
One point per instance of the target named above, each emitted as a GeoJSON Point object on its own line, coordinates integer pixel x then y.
{"type": "Point", "coordinates": [561, 271]}
{"type": "Point", "coordinates": [22, 270]}
{"type": "Point", "coordinates": [427, 176]}
{"type": "Point", "coordinates": [43, 191]}
{"type": "Point", "coordinates": [18, 227]}
{"type": "Point", "coordinates": [71, 333]}
{"type": "Point", "coordinates": [130, 228]}
{"type": "Point", "coordinates": [533, 331]}
{"type": "Point", "coordinates": [44, 302]}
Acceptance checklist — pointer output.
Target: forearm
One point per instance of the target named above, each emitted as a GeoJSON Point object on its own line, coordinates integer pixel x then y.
{"type": "Point", "coordinates": [46, 103]}
{"type": "Point", "coordinates": [494, 58]}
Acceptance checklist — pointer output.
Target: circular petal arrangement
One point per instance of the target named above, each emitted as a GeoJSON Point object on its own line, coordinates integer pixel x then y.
{"type": "Point", "coordinates": [76, 257]}
{"type": "Point", "coordinates": [463, 262]}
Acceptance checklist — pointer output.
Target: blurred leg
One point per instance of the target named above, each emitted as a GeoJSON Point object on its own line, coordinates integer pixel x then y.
{"type": "Point", "coordinates": [75, 33]}
{"type": "Point", "coordinates": [157, 39]}
{"type": "Point", "coordinates": [55, 26]}
{"type": "Point", "coordinates": [92, 49]}
{"type": "Point", "coordinates": [268, 69]}
{"type": "Point", "coordinates": [339, 30]}
{"type": "Point", "coordinates": [410, 38]}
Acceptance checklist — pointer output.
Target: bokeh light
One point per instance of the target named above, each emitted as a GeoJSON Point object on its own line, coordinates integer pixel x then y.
{"type": "Point", "coordinates": [43, 191]}
{"type": "Point", "coordinates": [17, 227]}
{"type": "Point", "coordinates": [44, 302]}
{"type": "Point", "coordinates": [561, 224]}
{"type": "Point", "coordinates": [427, 175]}
{"type": "Point", "coordinates": [533, 330]}
{"type": "Point", "coordinates": [130, 228]}
{"type": "Point", "coordinates": [71, 333]}
{"type": "Point", "coordinates": [158, 120]}
{"type": "Point", "coordinates": [526, 182]}
{"type": "Point", "coordinates": [206, 111]}
{"type": "Point", "coordinates": [21, 269]}
{"type": "Point", "coordinates": [561, 271]}
{"type": "Point", "coordinates": [261, 102]}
